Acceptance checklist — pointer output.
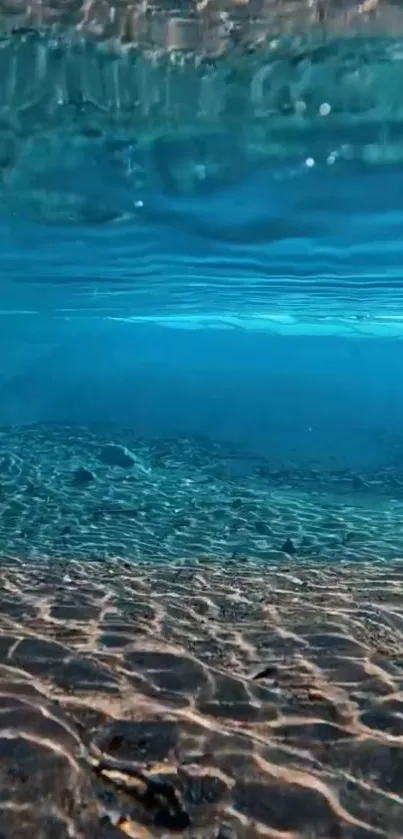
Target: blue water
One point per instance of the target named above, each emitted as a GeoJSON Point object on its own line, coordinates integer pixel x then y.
{"type": "Point", "coordinates": [203, 249]}
{"type": "Point", "coordinates": [201, 420]}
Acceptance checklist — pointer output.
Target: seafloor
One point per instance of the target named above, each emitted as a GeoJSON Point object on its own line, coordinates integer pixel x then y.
{"type": "Point", "coordinates": [97, 492]}
{"type": "Point", "coordinates": [218, 701]}
{"type": "Point", "coordinates": [189, 646]}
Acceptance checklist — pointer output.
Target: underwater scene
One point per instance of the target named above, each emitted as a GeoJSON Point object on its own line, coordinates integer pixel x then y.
{"type": "Point", "coordinates": [201, 419]}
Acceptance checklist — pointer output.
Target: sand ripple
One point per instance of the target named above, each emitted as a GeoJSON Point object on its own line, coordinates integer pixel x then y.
{"type": "Point", "coordinates": [64, 494]}
{"type": "Point", "coordinates": [202, 700]}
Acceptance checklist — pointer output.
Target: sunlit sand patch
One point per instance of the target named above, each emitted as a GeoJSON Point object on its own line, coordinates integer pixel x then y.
{"type": "Point", "coordinates": [237, 700]}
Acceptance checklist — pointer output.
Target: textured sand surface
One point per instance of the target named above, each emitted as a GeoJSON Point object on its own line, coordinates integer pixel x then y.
{"type": "Point", "coordinates": [202, 700]}
{"type": "Point", "coordinates": [71, 491]}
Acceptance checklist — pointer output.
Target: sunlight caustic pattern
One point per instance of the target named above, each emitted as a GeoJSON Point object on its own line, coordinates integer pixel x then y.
{"type": "Point", "coordinates": [201, 639]}
{"type": "Point", "coordinates": [211, 701]}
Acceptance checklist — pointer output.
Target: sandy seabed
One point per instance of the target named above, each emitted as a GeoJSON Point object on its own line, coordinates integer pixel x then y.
{"type": "Point", "coordinates": [221, 658]}
{"type": "Point", "coordinates": [201, 700]}
{"type": "Point", "coordinates": [97, 492]}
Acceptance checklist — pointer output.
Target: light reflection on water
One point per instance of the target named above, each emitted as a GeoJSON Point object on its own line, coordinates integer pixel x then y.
{"type": "Point", "coordinates": [262, 180]}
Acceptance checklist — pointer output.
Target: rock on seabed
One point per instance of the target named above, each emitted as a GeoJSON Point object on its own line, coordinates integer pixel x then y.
{"type": "Point", "coordinates": [114, 455]}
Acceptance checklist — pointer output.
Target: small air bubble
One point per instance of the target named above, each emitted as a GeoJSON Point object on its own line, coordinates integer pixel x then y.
{"type": "Point", "coordinates": [309, 162]}
{"type": "Point", "coordinates": [200, 171]}
{"type": "Point", "coordinates": [324, 109]}
{"type": "Point", "coordinates": [139, 204]}
{"type": "Point", "coordinates": [300, 106]}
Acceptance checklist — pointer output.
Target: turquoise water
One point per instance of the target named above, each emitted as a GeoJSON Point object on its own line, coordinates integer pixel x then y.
{"type": "Point", "coordinates": [201, 266]}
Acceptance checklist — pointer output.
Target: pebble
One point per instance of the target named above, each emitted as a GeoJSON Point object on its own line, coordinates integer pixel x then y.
{"type": "Point", "coordinates": [82, 476]}
{"type": "Point", "coordinates": [114, 455]}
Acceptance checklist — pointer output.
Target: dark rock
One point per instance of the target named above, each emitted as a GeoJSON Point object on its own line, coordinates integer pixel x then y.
{"type": "Point", "coordinates": [113, 455]}
{"type": "Point", "coordinates": [289, 547]}
{"type": "Point", "coordinates": [262, 528]}
{"type": "Point", "coordinates": [147, 741]}
{"type": "Point", "coordinates": [82, 477]}
{"type": "Point", "coordinates": [201, 789]}
{"type": "Point", "coordinates": [225, 831]}
{"type": "Point", "coordinates": [237, 503]}
{"type": "Point", "coordinates": [181, 522]}
{"type": "Point", "coordinates": [268, 672]}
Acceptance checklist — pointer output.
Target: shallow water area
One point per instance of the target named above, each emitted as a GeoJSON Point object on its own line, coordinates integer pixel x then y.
{"type": "Point", "coordinates": [201, 449]}
{"type": "Point", "coordinates": [93, 492]}
{"type": "Point", "coordinates": [161, 699]}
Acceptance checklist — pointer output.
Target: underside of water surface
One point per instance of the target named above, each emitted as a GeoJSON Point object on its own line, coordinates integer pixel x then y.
{"type": "Point", "coordinates": [204, 163]}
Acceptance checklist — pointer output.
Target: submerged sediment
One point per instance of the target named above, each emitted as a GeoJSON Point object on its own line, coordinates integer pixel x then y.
{"type": "Point", "coordinates": [208, 700]}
